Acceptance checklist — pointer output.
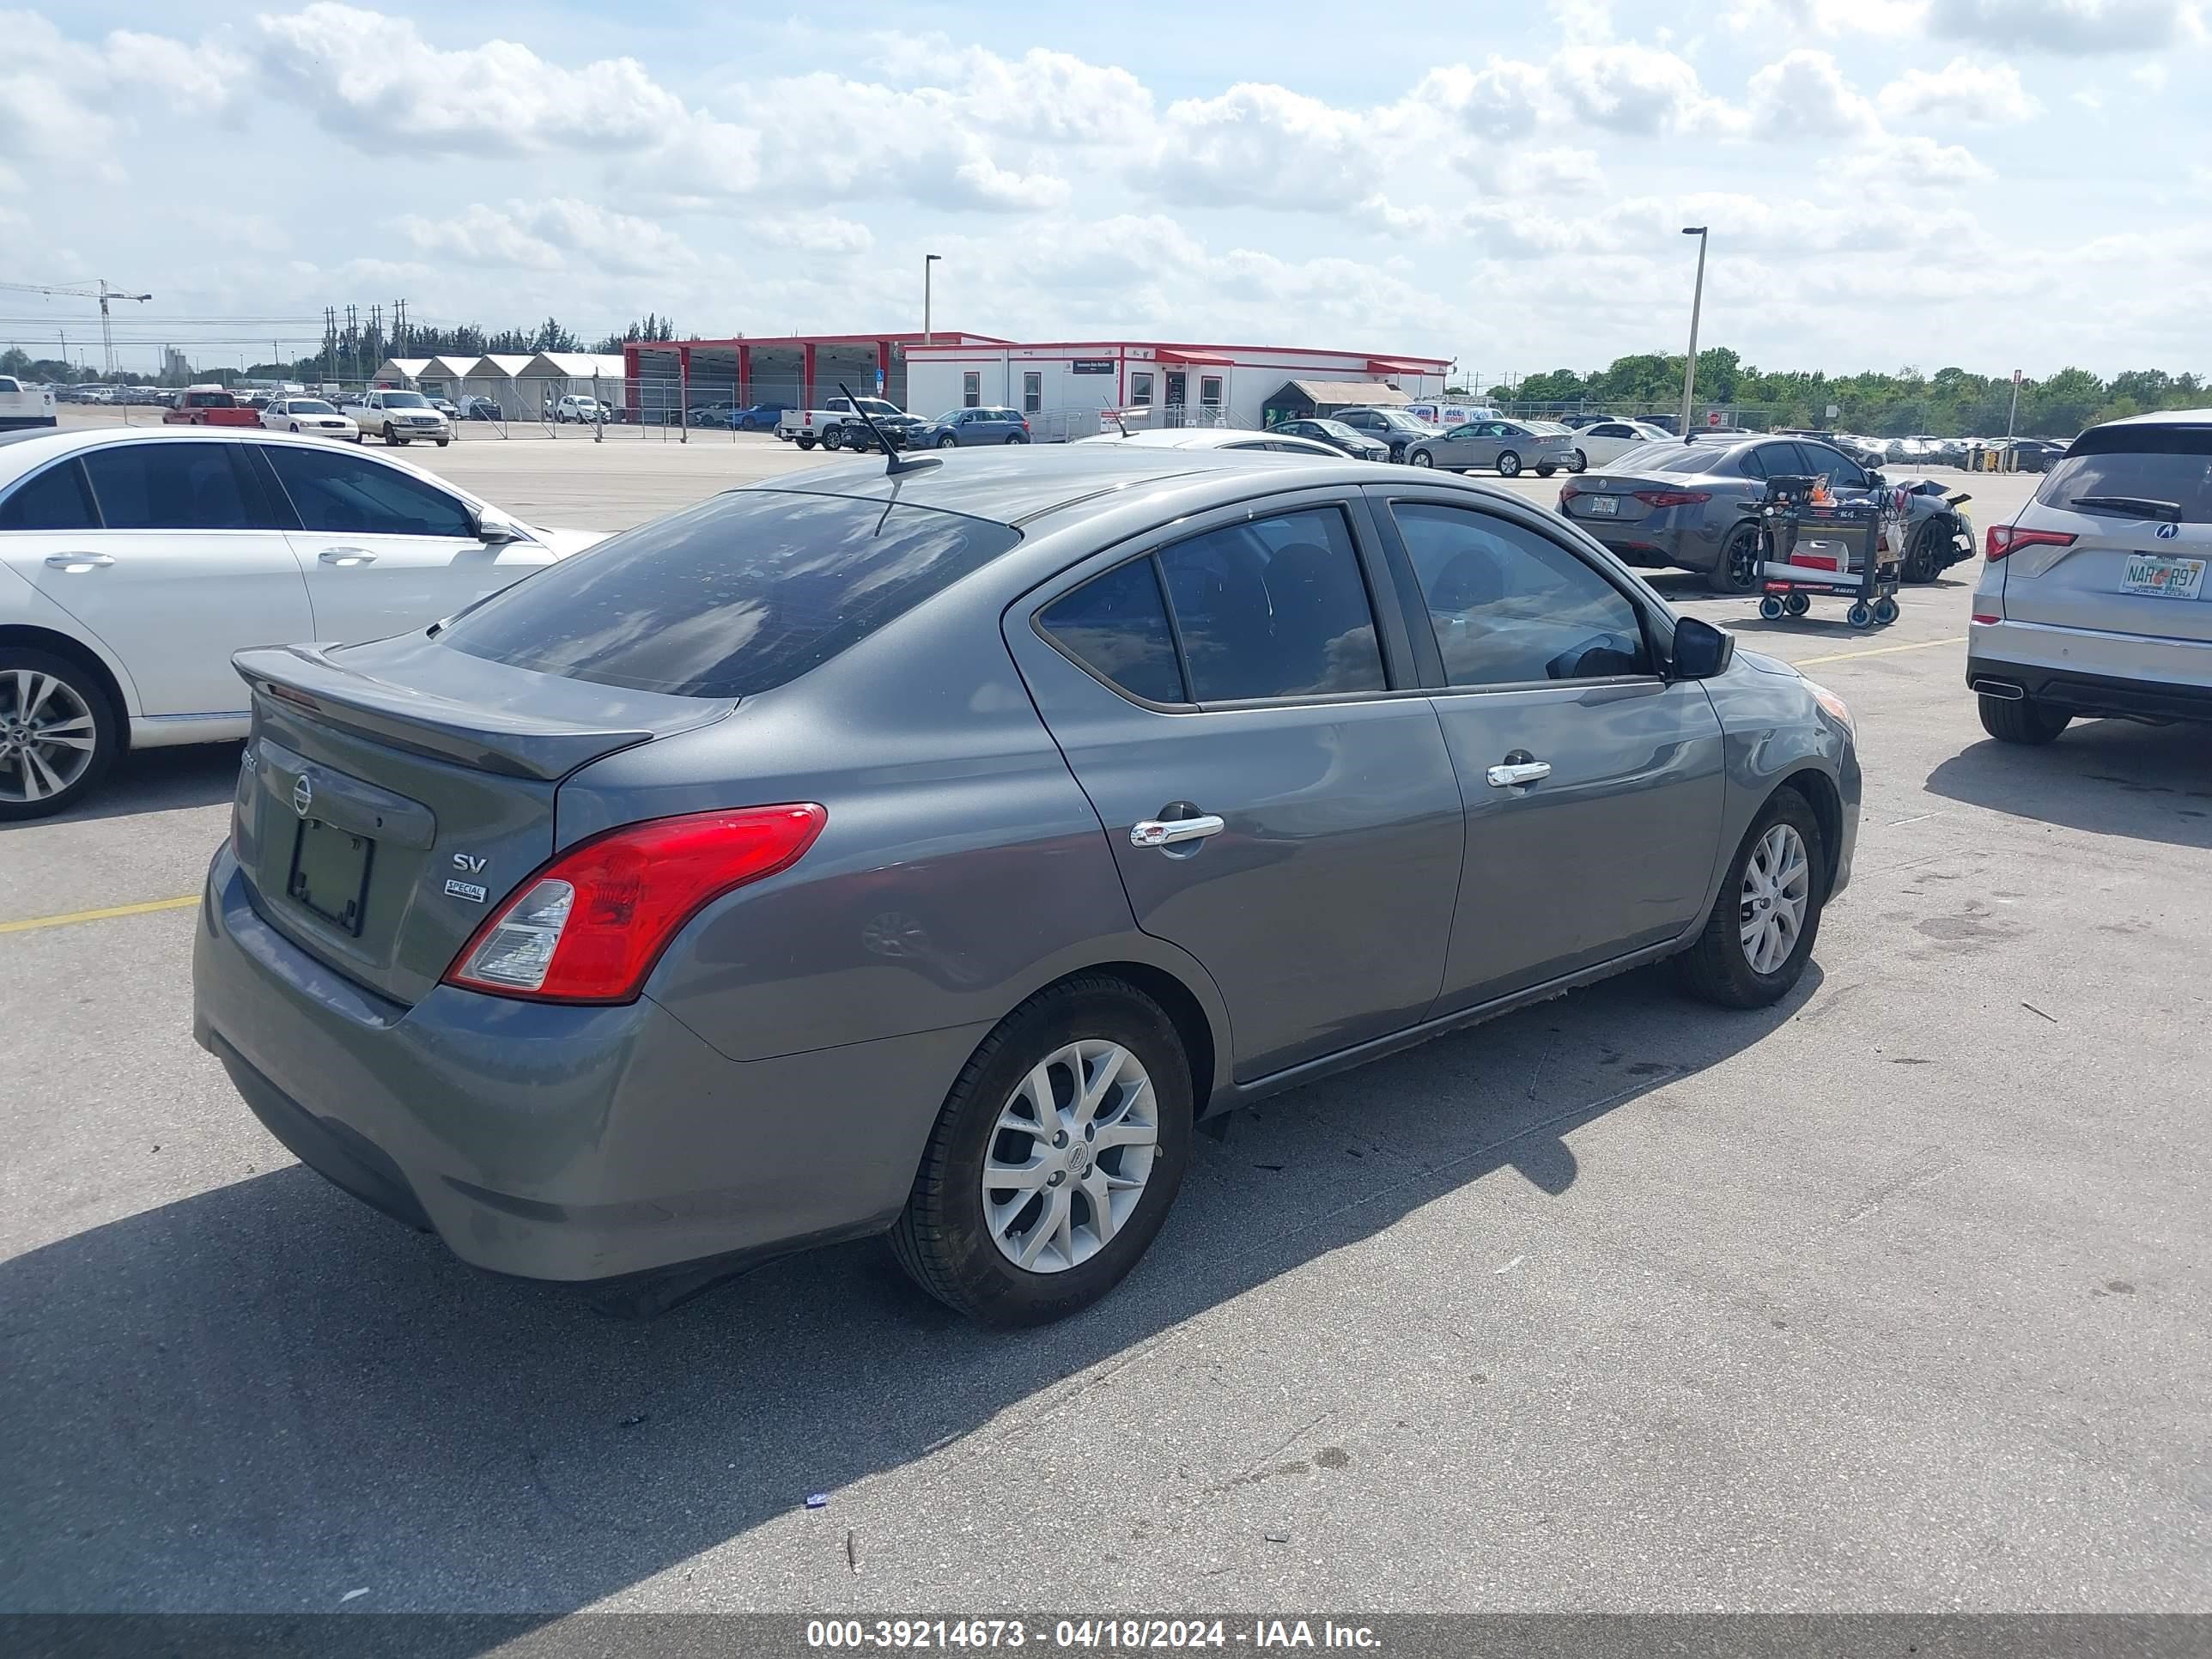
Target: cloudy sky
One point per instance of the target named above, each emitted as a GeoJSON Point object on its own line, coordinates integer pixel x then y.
{"type": "Point", "coordinates": [1997, 184]}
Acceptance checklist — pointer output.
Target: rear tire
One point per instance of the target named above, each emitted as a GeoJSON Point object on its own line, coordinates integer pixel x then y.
{"type": "Point", "coordinates": [1016, 438]}
{"type": "Point", "coordinates": [1546, 471]}
{"type": "Point", "coordinates": [1719, 967]}
{"type": "Point", "coordinates": [67, 705]}
{"type": "Point", "coordinates": [946, 1239]}
{"type": "Point", "coordinates": [1738, 570]}
{"type": "Point", "coordinates": [2021, 720]}
{"type": "Point", "coordinates": [806, 443]}
{"type": "Point", "coordinates": [1508, 465]}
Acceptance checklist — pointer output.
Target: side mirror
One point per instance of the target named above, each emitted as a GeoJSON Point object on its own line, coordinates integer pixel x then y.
{"type": "Point", "coordinates": [1701, 650]}
{"type": "Point", "coordinates": [495, 532]}
{"type": "Point", "coordinates": [1875, 477]}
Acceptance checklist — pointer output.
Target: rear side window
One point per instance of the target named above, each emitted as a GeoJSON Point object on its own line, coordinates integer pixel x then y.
{"type": "Point", "coordinates": [55, 500]}
{"type": "Point", "coordinates": [2175, 474]}
{"type": "Point", "coordinates": [732, 597]}
{"type": "Point", "coordinates": [1116, 625]}
{"type": "Point", "coordinates": [1275, 608]}
{"type": "Point", "coordinates": [170, 486]}
{"type": "Point", "coordinates": [347, 495]}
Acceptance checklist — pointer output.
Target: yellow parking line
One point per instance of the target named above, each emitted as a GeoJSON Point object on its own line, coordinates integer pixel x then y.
{"type": "Point", "coordinates": [1877, 651]}
{"type": "Point", "coordinates": [31, 923]}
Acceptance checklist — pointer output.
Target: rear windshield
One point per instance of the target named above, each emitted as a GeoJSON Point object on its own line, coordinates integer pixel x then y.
{"type": "Point", "coordinates": [732, 597]}
{"type": "Point", "coordinates": [1670, 455]}
{"type": "Point", "coordinates": [2163, 475]}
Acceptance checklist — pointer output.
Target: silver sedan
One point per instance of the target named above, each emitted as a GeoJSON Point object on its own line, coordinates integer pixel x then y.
{"type": "Point", "coordinates": [1509, 445]}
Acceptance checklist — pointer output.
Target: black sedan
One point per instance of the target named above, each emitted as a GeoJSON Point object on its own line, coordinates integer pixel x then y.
{"type": "Point", "coordinates": [1337, 435]}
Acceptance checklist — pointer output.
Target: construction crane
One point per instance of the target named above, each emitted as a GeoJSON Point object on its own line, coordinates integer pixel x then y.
{"type": "Point", "coordinates": [102, 290]}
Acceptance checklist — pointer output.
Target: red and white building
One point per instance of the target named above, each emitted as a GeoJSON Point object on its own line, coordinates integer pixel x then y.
{"type": "Point", "coordinates": [1160, 382]}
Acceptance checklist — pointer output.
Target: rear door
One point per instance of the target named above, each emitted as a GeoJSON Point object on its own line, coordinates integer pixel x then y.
{"type": "Point", "coordinates": [385, 551]}
{"type": "Point", "coordinates": [1593, 786]}
{"type": "Point", "coordinates": [168, 553]}
{"type": "Point", "coordinates": [2139, 508]}
{"type": "Point", "coordinates": [1277, 795]}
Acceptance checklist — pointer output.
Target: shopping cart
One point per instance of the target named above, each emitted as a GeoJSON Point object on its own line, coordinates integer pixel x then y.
{"type": "Point", "coordinates": [1809, 544]}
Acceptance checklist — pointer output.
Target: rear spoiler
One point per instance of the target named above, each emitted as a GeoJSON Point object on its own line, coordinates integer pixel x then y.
{"type": "Point", "coordinates": [476, 715]}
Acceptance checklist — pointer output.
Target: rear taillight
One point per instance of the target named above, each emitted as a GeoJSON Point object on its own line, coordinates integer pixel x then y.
{"type": "Point", "coordinates": [1673, 497]}
{"type": "Point", "coordinates": [589, 926]}
{"type": "Point", "coordinates": [1025, 425]}
{"type": "Point", "coordinates": [1567, 493]}
{"type": "Point", "coordinates": [2004, 539]}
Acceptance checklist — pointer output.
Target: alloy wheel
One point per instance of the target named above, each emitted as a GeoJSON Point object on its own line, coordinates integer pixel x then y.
{"type": "Point", "coordinates": [1068, 1159]}
{"type": "Point", "coordinates": [47, 736]}
{"type": "Point", "coordinates": [1777, 886]}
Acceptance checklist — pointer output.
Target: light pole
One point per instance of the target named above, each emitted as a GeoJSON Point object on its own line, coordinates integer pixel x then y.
{"type": "Point", "coordinates": [1696, 302]}
{"type": "Point", "coordinates": [927, 260]}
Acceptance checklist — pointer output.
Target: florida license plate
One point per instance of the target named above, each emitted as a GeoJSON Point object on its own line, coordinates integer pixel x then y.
{"type": "Point", "coordinates": [1605, 507]}
{"type": "Point", "coordinates": [330, 873]}
{"type": "Point", "coordinates": [2163, 578]}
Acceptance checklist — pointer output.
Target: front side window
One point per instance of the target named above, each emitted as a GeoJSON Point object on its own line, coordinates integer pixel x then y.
{"type": "Point", "coordinates": [186, 486]}
{"type": "Point", "coordinates": [1839, 470]}
{"type": "Point", "coordinates": [971, 390]}
{"type": "Point", "coordinates": [1510, 607]}
{"type": "Point", "coordinates": [352, 495]}
{"type": "Point", "coordinates": [1273, 608]}
{"type": "Point", "coordinates": [732, 597]}
{"type": "Point", "coordinates": [1032, 392]}
{"type": "Point", "coordinates": [1116, 625]}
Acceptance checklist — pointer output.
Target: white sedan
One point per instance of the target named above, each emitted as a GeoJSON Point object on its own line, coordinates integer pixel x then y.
{"type": "Point", "coordinates": [313, 416]}
{"type": "Point", "coordinates": [1608, 441]}
{"type": "Point", "coordinates": [134, 561]}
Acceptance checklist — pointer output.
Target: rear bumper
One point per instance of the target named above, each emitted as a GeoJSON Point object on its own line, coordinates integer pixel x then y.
{"type": "Point", "coordinates": [1655, 545]}
{"type": "Point", "coordinates": [557, 1142]}
{"type": "Point", "coordinates": [2093, 672]}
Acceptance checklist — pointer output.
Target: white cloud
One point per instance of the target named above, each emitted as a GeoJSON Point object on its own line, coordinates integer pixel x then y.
{"type": "Point", "coordinates": [2088, 98]}
{"type": "Point", "coordinates": [2070, 25]}
{"type": "Point", "coordinates": [1803, 94]}
{"type": "Point", "coordinates": [2152, 76]}
{"type": "Point", "coordinates": [1045, 95]}
{"type": "Point", "coordinates": [810, 233]}
{"type": "Point", "coordinates": [1636, 90]}
{"type": "Point", "coordinates": [1890, 18]}
{"type": "Point", "coordinates": [559, 233]}
{"type": "Point", "coordinates": [1265, 146]}
{"type": "Point", "coordinates": [59, 97]}
{"type": "Point", "coordinates": [1987, 94]}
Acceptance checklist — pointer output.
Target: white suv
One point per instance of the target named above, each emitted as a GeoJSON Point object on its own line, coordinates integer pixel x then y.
{"type": "Point", "coordinates": [2094, 600]}
{"type": "Point", "coordinates": [581, 408]}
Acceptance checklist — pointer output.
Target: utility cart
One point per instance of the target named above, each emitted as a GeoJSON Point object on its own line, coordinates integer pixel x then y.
{"type": "Point", "coordinates": [1809, 544]}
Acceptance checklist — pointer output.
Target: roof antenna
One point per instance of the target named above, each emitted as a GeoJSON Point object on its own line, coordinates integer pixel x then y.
{"type": "Point", "coordinates": [1119, 422]}
{"type": "Point", "coordinates": [894, 463]}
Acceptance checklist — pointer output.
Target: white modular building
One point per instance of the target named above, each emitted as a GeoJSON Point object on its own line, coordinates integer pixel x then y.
{"type": "Point", "coordinates": [1064, 388]}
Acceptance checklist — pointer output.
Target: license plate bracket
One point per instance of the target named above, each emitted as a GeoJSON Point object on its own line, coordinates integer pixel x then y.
{"type": "Point", "coordinates": [1605, 507]}
{"type": "Point", "coordinates": [2155, 575]}
{"type": "Point", "coordinates": [329, 873]}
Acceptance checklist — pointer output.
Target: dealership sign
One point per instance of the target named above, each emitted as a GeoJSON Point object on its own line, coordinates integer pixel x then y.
{"type": "Point", "coordinates": [1093, 366]}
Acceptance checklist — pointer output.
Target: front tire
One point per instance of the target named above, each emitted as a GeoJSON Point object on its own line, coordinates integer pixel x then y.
{"type": "Point", "coordinates": [1924, 557]}
{"type": "Point", "coordinates": [834, 438]}
{"type": "Point", "coordinates": [2021, 720]}
{"type": "Point", "coordinates": [948, 441]}
{"type": "Point", "coordinates": [1760, 936]}
{"type": "Point", "coordinates": [58, 733]}
{"type": "Point", "coordinates": [1508, 465]}
{"type": "Point", "coordinates": [295, 427]}
{"type": "Point", "coordinates": [1738, 571]}
{"type": "Point", "coordinates": [1421, 457]}
{"type": "Point", "coordinates": [1055, 1159]}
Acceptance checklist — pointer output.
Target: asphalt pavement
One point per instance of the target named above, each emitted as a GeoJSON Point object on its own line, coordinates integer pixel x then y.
{"type": "Point", "coordinates": [1891, 1297]}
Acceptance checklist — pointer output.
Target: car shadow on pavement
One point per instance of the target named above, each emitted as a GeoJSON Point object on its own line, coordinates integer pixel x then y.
{"type": "Point", "coordinates": [2107, 777]}
{"type": "Point", "coordinates": [266, 1396]}
{"type": "Point", "coordinates": [158, 780]}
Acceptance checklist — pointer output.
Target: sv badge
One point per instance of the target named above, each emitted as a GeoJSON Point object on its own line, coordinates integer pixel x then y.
{"type": "Point", "coordinates": [469, 862]}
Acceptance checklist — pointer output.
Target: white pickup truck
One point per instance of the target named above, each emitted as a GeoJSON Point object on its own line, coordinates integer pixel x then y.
{"type": "Point", "coordinates": [398, 416]}
{"type": "Point", "coordinates": [826, 426]}
{"type": "Point", "coordinates": [24, 406]}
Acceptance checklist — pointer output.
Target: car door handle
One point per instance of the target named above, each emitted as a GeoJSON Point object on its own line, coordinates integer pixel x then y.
{"type": "Point", "coordinates": [1151, 832]}
{"type": "Point", "coordinates": [346, 555]}
{"type": "Point", "coordinates": [1514, 774]}
{"type": "Point", "coordinates": [80, 560]}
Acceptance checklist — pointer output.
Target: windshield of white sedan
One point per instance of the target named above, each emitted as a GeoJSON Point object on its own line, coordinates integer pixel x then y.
{"type": "Point", "coordinates": [732, 597]}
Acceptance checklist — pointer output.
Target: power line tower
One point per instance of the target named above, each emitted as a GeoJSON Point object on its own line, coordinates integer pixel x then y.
{"type": "Point", "coordinates": [353, 342]}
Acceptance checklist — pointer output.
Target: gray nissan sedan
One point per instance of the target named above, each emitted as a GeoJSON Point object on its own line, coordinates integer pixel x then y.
{"type": "Point", "coordinates": [925, 850]}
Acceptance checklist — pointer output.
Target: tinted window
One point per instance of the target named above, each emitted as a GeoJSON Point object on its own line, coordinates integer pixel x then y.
{"type": "Point", "coordinates": [185, 486]}
{"type": "Point", "coordinates": [1839, 468]}
{"type": "Point", "coordinates": [732, 597]}
{"type": "Point", "coordinates": [1690, 457]}
{"type": "Point", "coordinates": [1510, 606]}
{"type": "Point", "coordinates": [403, 400]}
{"type": "Point", "coordinates": [1273, 609]}
{"type": "Point", "coordinates": [55, 499]}
{"type": "Point", "coordinates": [1117, 624]}
{"type": "Point", "coordinates": [308, 406]}
{"type": "Point", "coordinates": [351, 495]}
{"type": "Point", "coordinates": [2185, 480]}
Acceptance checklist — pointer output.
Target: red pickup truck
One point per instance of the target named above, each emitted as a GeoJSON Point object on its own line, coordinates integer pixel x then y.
{"type": "Point", "coordinates": [210, 405]}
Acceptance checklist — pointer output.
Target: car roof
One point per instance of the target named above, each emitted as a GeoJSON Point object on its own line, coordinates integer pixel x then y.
{"type": "Point", "coordinates": [27, 452]}
{"type": "Point", "coordinates": [1016, 484]}
{"type": "Point", "coordinates": [2159, 417]}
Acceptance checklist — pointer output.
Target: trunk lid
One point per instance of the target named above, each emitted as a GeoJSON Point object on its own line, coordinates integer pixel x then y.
{"type": "Point", "coordinates": [392, 795]}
